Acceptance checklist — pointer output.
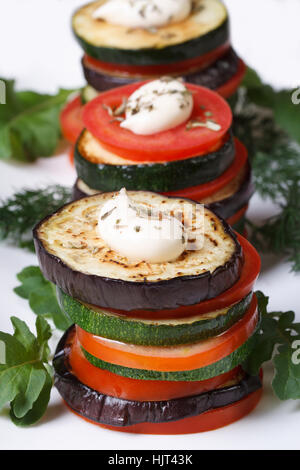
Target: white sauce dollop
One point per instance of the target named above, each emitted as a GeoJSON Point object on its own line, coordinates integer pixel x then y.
{"type": "Point", "coordinates": [143, 13]}
{"type": "Point", "coordinates": [158, 106]}
{"type": "Point", "coordinates": [129, 229]}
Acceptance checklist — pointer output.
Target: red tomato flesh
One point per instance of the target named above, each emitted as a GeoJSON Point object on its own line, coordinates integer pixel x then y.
{"type": "Point", "coordinates": [174, 144]}
{"type": "Point", "coordinates": [71, 120]}
{"type": "Point", "coordinates": [71, 115]}
{"type": "Point", "coordinates": [71, 156]}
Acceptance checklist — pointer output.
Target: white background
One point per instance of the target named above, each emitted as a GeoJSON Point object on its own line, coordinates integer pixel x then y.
{"type": "Point", "coordinates": [38, 49]}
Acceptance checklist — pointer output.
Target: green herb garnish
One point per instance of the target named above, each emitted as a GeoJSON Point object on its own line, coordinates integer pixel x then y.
{"type": "Point", "coordinates": [193, 124]}
{"type": "Point", "coordinates": [26, 378]}
{"type": "Point", "coordinates": [29, 123]}
{"type": "Point", "coordinates": [20, 213]}
{"type": "Point", "coordinates": [278, 339]}
{"type": "Point", "coordinates": [41, 295]}
{"type": "Point", "coordinates": [108, 213]}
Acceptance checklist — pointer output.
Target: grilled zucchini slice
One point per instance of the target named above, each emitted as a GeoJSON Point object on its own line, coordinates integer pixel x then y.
{"type": "Point", "coordinates": [203, 31]}
{"type": "Point", "coordinates": [105, 171]}
{"type": "Point", "coordinates": [154, 332]}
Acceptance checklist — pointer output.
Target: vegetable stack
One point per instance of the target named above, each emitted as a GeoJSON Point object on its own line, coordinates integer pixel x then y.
{"type": "Point", "coordinates": [199, 159]}
{"type": "Point", "coordinates": [125, 41]}
{"type": "Point", "coordinates": [157, 347]}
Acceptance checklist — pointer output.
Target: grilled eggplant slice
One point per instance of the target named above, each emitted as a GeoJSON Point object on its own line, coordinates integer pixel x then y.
{"type": "Point", "coordinates": [105, 171]}
{"type": "Point", "coordinates": [204, 30]}
{"type": "Point", "coordinates": [118, 412]}
{"type": "Point", "coordinates": [73, 256]}
{"type": "Point", "coordinates": [213, 76]}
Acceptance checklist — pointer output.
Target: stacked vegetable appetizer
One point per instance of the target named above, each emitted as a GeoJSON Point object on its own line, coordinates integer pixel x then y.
{"type": "Point", "coordinates": [165, 136]}
{"type": "Point", "coordinates": [126, 41]}
{"type": "Point", "coordinates": [161, 293]}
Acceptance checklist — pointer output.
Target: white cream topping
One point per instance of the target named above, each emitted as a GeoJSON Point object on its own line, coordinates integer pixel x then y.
{"type": "Point", "coordinates": [143, 13]}
{"type": "Point", "coordinates": [158, 106]}
{"type": "Point", "coordinates": [140, 234]}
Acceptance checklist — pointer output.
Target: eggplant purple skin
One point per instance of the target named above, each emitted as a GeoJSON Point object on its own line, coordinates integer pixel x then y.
{"type": "Point", "coordinates": [213, 76]}
{"type": "Point", "coordinates": [112, 411]}
{"type": "Point", "coordinates": [77, 193]}
{"type": "Point", "coordinates": [128, 295]}
{"type": "Point", "coordinates": [225, 208]}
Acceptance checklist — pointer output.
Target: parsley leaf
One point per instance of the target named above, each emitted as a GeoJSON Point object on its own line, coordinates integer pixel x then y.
{"type": "Point", "coordinates": [286, 383]}
{"type": "Point", "coordinates": [41, 295]}
{"type": "Point", "coordinates": [278, 339]}
{"type": "Point", "coordinates": [26, 377]}
{"type": "Point", "coordinates": [29, 123]}
{"type": "Point", "coordinates": [20, 213]}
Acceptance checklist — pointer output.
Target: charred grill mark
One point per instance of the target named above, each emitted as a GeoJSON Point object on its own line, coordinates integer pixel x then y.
{"type": "Point", "coordinates": [212, 240]}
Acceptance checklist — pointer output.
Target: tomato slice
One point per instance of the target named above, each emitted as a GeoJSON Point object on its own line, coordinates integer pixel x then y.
{"type": "Point", "coordinates": [71, 116]}
{"type": "Point", "coordinates": [146, 71]}
{"type": "Point", "coordinates": [203, 190]}
{"type": "Point", "coordinates": [140, 390]}
{"type": "Point", "coordinates": [240, 289]}
{"type": "Point", "coordinates": [214, 419]}
{"type": "Point", "coordinates": [71, 156]}
{"type": "Point", "coordinates": [71, 120]}
{"type": "Point", "coordinates": [174, 144]}
{"type": "Point", "coordinates": [230, 87]}
{"type": "Point", "coordinates": [176, 358]}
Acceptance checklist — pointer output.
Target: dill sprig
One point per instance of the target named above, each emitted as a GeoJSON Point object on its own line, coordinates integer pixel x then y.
{"type": "Point", "coordinates": [275, 157]}
{"type": "Point", "coordinates": [20, 213]}
{"type": "Point", "coordinates": [281, 233]}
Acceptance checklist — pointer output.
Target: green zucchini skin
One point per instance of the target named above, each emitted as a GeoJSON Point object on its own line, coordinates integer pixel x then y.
{"type": "Point", "coordinates": [160, 177]}
{"type": "Point", "coordinates": [138, 332]}
{"type": "Point", "coordinates": [166, 55]}
{"type": "Point", "coordinates": [235, 359]}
